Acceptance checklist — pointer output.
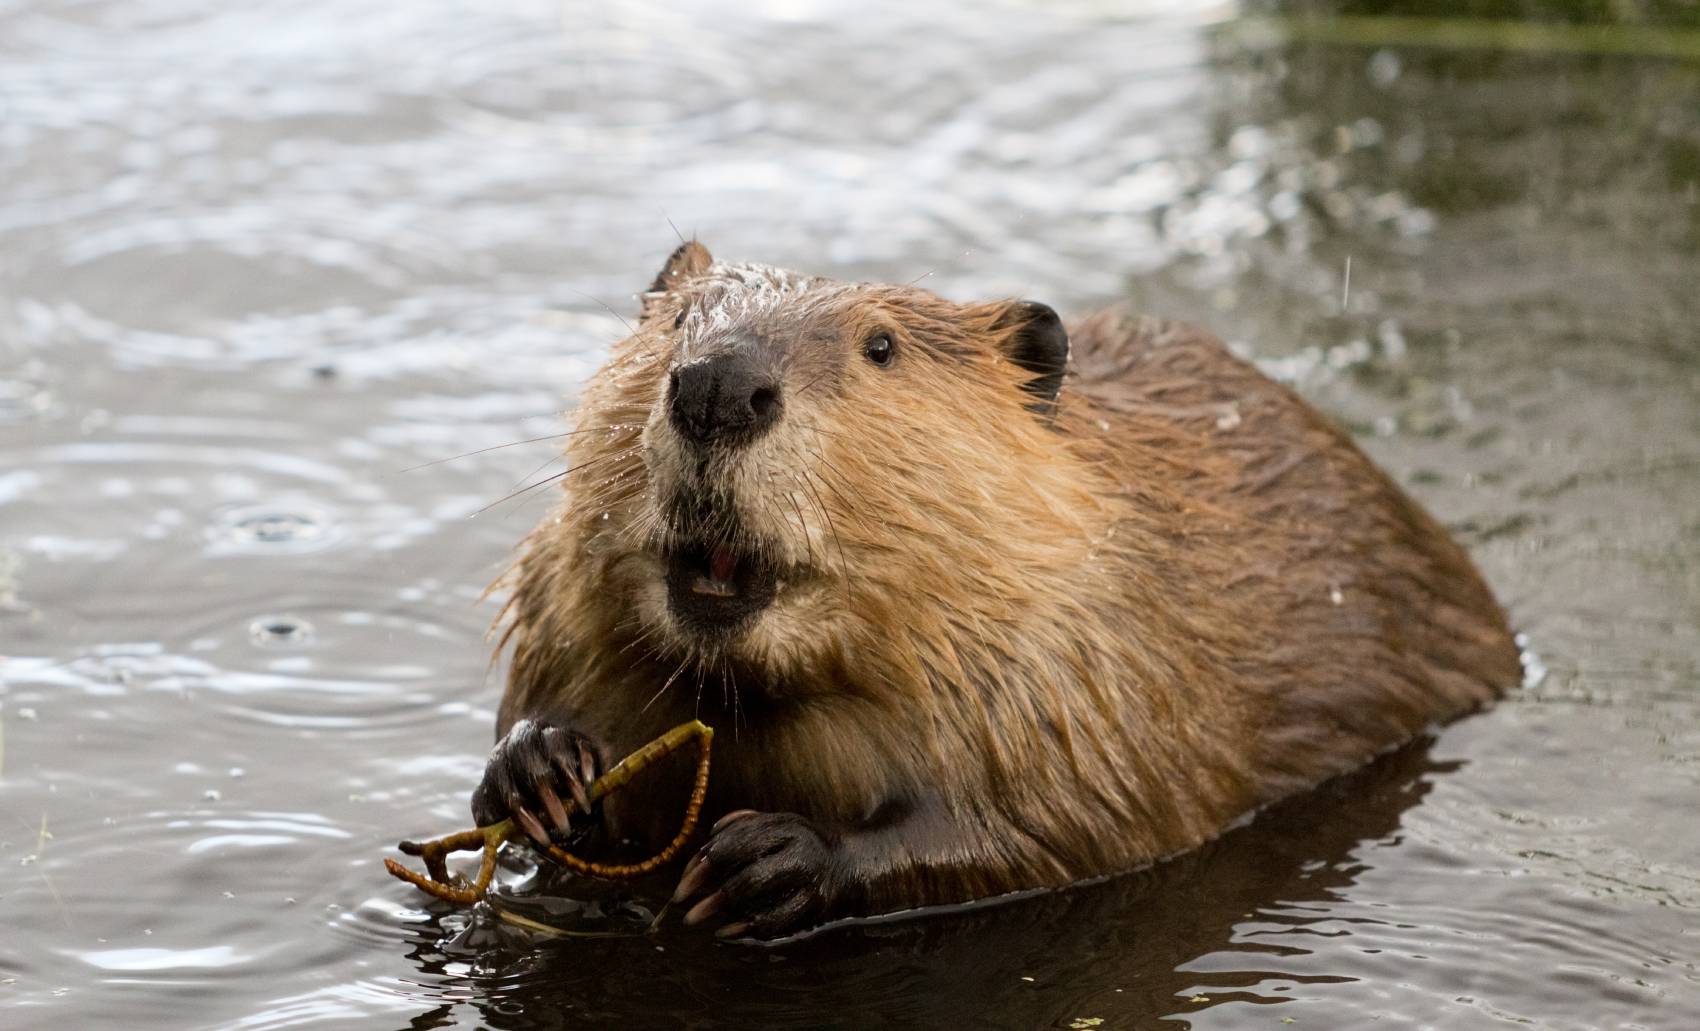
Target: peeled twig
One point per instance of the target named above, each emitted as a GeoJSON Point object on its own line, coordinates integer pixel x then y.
{"type": "Point", "coordinates": [438, 881]}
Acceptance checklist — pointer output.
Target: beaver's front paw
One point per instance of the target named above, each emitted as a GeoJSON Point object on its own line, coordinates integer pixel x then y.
{"type": "Point", "coordinates": [761, 875]}
{"type": "Point", "coordinates": [539, 775]}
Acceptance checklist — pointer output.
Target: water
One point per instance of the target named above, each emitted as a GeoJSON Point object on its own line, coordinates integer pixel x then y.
{"type": "Point", "coordinates": [258, 261]}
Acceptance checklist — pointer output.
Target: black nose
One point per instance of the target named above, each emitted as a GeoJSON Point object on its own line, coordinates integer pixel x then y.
{"type": "Point", "coordinates": [726, 397]}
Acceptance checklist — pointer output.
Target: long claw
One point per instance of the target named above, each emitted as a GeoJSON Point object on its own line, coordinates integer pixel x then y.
{"type": "Point", "coordinates": [532, 825]}
{"type": "Point", "coordinates": [586, 767]}
{"type": "Point", "coordinates": [552, 805]}
{"type": "Point", "coordinates": [705, 909]}
{"type": "Point", "coordinates": [730, 818]}
{"type": "Point", "coordinates": [691, 881]}
{"type": "Point", "coordinates": [579, 795]}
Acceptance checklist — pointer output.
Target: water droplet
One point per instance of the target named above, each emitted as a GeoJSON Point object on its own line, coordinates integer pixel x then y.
{"type": "Point", "coordinates": [20, 401]}
{"type": "Point", "coordinates": [278, 528]}
{"type": "Point", "coordinates": [1534, 670]}
{"type": "Point", "coordinates": [1384, 67]}
{"type": "Point", "coordinates": [1392, 339]}
{"type": "Point", "coordinates": [1416, 222]}
{"type": "Point", "coordinates": [280, 632]}
{"type": "Point", "coordinates": [272, 529]}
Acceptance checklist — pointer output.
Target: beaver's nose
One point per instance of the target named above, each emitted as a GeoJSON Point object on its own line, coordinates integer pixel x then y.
{"type": "Point", "coordinates": [725, 397]}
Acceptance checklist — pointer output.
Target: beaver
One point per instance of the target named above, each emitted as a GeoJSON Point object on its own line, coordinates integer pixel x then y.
{"type": "Point", "coordinates": [978, 601]}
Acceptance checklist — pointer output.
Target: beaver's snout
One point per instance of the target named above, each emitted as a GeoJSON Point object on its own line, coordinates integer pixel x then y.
{"type": "Point", "coordinates": [727, 398]}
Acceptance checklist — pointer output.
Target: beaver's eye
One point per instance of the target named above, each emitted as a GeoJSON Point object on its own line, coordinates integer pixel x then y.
{"type": "Point", "coordinates": [679, 319]}
{"type": "Point", "coordinates": [878, 350]}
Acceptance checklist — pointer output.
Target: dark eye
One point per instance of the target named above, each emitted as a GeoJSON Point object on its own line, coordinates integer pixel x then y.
{"type": "Point", "coordinates": [679, 320]}
{"type": "Point", "coordinates": [878, 350]}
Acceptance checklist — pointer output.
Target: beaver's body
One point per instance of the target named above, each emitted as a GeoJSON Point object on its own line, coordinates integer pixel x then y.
{"type": "Point", "coordinates": [962, 633]}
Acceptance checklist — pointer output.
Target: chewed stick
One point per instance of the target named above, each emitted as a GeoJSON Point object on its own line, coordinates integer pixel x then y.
{"type": "Point", "coordinates": [438, 881]}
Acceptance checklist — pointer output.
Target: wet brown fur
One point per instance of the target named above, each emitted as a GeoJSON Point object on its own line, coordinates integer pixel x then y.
{"type": "Point", "coordinates": [1031, 650]}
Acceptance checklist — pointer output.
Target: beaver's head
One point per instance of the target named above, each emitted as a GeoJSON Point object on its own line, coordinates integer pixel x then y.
{"type": "Point", "coordinates": [782, 472]}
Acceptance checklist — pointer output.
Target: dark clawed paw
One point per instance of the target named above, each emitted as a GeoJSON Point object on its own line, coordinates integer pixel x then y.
{"type": "Point", "coordinates": [539, 775]}
{"type": "Point", "coordinates": [761, 875]}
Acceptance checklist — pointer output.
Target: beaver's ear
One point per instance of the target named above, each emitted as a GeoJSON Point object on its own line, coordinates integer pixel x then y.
{"type": "Point", "coordinates": [1036, 340]}
{"type": "Point", "coordinates": [687, 261]}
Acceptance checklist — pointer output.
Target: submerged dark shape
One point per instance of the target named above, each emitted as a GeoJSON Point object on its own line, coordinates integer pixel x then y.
{"type": "Point", "coordinates": [969, 626]}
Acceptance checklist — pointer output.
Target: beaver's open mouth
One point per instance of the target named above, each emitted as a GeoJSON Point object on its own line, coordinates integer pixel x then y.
{"type": "Point", "coordinates": [716, 589]}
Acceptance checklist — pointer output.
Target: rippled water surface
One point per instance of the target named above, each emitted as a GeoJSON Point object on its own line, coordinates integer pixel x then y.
{"type": "Point", "coordinates": [260, 260]}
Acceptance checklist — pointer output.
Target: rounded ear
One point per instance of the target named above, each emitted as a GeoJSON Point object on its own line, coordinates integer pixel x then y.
{"type": "Point", "coordinates": [687, 260]}
{"type": "Point", "coordinates": [1036, 341]}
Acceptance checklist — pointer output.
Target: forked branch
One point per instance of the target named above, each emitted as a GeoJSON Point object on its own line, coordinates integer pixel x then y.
{"type": "Point", "coordinates": [438, 881]}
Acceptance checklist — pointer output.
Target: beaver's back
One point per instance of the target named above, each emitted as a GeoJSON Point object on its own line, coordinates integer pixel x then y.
{"type": "Point", "coordinates": [1378, 624]}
